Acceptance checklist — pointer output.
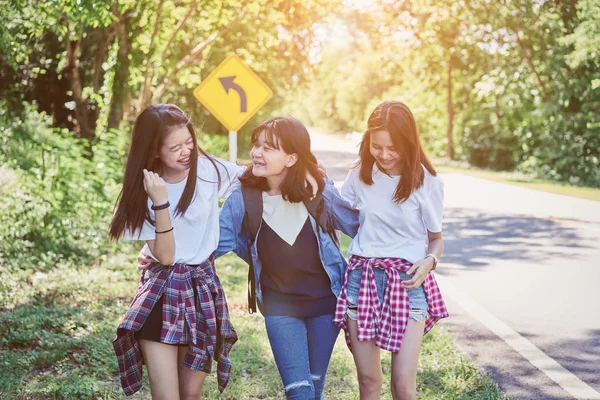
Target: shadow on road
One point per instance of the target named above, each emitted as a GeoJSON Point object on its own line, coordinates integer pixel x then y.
{"type": "Point", "coordinates": [511, 371]}
{"type": "Point", "coordinates": [476, 239]}
{"type": "Point", "coordinates": [579, 355]}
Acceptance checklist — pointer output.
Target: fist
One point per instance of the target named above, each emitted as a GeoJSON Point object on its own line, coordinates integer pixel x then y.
{"type": "Point", "coordinates": [155, 187]}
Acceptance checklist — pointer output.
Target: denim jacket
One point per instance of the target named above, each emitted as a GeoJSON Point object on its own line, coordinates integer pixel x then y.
{"type": "Point", "coordinates": [234, 238]}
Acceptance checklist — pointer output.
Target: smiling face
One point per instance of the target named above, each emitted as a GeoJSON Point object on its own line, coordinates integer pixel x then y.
{"type": "Point", "coordinates": [176, 152]}
{"type": "Point", "coordinates": [269, 160]}
{"type": "Point", "coordinates": [385, 153]}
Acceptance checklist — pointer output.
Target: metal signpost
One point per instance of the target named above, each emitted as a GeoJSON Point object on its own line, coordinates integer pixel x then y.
{"type": "Point", "coordinates": [233, 93]}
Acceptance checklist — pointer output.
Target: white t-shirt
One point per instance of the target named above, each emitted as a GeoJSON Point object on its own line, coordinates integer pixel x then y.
{"type": "Point", "coordinates": [197, 231]}
{"type": "Point", "coordinates": [285, 218]}
{"type": "Point", "coordinates": [390, 229]}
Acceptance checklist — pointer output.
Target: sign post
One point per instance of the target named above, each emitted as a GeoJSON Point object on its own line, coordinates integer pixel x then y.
{"type": "Point", "coordinates": [233, 93]}
{"type": "Point", "coordinates": [232, 146]}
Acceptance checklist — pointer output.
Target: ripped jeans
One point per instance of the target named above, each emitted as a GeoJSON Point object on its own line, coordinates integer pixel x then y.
{"type": "Point", "coordinates": [419, 309]}
{"type": "Point", "coordinates": [302, 348]}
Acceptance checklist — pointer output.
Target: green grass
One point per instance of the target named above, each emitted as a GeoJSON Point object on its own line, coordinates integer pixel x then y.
{"type": "Point", "coordinates": [515, 178]}
{"type": "Point", "coordinates": [56, 330]}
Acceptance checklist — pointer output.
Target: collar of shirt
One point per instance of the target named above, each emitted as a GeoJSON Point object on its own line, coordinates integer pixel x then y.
{"type": "Point", "coordinates": [285, 218]}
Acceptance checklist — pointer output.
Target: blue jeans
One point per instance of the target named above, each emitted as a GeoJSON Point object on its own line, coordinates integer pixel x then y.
{"type": "Point", "coordinates": [302, 348]}
{"type": "Point", "coordinates": [419, 308]}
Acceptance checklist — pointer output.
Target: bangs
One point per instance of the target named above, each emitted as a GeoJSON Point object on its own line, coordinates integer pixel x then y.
{"type": "Point", "coordinates": [269, 129]}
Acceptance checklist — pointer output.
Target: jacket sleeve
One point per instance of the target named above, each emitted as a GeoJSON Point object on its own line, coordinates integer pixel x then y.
{"type": "Point", "coordinates": [348, 189]}
{"type": "Point", "coordinates": [232, 236]}
{"type": "Point", "coordinates": [345, 217]}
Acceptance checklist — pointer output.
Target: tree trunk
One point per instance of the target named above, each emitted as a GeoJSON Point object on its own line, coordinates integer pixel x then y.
{"type": "Point", "coordinates": [146, 92]}
{"type": "Point", "coordinates": [450, 144]}
{"type": "Point", "coordinates": [104, 38]}
{"type": "Point", "coordinates": [85, 127]}
{"type": "Point", "coordinates": [120, 81]}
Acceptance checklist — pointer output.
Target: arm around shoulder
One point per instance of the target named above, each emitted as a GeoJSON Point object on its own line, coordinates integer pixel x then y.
{"type": "Point", "coordinates": [345, 216]}
{"type": "Point", "coordinates": [232, 236]}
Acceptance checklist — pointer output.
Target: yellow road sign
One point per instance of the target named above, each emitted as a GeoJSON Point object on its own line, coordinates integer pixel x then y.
{"type": "Point", "coordinates": [233, 93]}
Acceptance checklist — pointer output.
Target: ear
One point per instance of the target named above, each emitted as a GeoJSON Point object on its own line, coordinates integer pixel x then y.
{"type": "Point", "coordinates": [292, 159]}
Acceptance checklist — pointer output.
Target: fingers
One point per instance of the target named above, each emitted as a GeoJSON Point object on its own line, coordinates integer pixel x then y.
{"type": "Point", "coordinates": [419, 271]}
{"type": "Point", "coordinates": [411, 284]}
{"type": "Point", "coordinates": [144, 261]}
{"type": "Point", "coordinates": [152, 177]}
{"type": "Point", "coordinates": [155, 187]}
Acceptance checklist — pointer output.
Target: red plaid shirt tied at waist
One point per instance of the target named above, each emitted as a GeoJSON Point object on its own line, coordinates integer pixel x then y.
{"type": "Point", "coordinates": [386, 323]}
{"type": "Point", "coordinates": [194, 313]}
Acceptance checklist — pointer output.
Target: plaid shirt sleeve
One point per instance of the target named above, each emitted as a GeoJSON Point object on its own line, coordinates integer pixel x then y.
{"type": "Point", "coordinates": [386, 323]}
{"type": "Point", "coordinates": [194, 313]}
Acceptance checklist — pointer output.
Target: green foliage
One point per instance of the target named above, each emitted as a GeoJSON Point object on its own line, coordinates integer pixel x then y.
{"type": "Point", "coordinates": [60, 202]}
{"type": "Point", "coordinates": [520, 80]}
{"type": "Point", "coordinates": [585, 36]}
{"type": "Point", "coordinates": [214, 144]}
{"type": "Point", "coordinates": [59, 198]}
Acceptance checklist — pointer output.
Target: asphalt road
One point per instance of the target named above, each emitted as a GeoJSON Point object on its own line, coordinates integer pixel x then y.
{"type": "Point", "coordinates": [527, 260]}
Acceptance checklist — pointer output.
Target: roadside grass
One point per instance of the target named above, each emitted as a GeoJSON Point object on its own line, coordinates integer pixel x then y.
{"type": "Point", "coordinates": [518, 179]}
{"type": "Point", "coordinates": [56, 330]}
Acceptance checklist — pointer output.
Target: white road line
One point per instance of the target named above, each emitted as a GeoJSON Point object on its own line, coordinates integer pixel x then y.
{"type": "Point", "coordinates": [559, 374]}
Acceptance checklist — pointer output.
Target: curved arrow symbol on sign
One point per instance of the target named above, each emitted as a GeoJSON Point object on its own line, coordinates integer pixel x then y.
{"type": "Point", "coordinates": [228, 83]}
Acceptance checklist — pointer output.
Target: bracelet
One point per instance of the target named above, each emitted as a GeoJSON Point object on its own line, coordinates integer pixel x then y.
{"type": "Point", "coordinates": [161, 206]}
{"type": "Point", "coordinates": [435, 260]}
{"type": "Point", "coordinates": [167, 231]}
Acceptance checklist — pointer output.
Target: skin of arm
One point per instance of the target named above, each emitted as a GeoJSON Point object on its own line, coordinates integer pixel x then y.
{"type": "Point", "coordinates": [421, 268]}
{"type": "Point", "coordinates": [163, 247]}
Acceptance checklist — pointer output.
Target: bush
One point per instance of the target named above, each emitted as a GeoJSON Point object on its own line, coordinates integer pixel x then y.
{"type": "Point", "coordinates": [60, 201]}
{"type": "Point", "coordinates": [489, 144]}
{"type": "Point", "coordinates": [58, 196]}
{"type": "Point", "coordinates": [565, 147]}
{"type": "Point", "coordinates": [216, 145]}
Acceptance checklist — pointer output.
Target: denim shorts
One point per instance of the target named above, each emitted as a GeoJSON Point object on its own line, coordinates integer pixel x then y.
{"type": "Point", "coordinates": [416, 297]}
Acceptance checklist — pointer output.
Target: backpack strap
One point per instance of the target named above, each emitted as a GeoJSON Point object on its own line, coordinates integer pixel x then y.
{"type": "Point", "coordinates": [316, 208]}
{"type": "Point", "coordinates": [253, 204]}
{"type": "Point", "coordinates": [252, 217]}
{"type": "Point", "coordinates": [320, 215]}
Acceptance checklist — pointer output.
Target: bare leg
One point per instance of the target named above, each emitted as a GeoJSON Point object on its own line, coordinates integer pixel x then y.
{"type": "Point", "coordinates": [368, 364]}
{"type": "Point", "coordinates": [404, 363]}
{"type": "Point", "coordinates": [161, 362]}
{"type": "Point", "coordinates": [190, 381]}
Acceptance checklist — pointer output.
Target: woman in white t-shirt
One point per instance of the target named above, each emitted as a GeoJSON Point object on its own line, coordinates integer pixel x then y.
{"type": "Point", "coordinates": [178, 321]}
{"type": "Point", "coordinates": [390, 297]}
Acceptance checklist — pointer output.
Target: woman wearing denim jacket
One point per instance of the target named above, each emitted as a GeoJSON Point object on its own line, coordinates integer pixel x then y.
{"type": "Point", "coordinates": [298, 266]}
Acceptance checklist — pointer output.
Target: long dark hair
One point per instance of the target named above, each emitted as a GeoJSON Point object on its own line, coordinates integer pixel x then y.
{"type": "Point", "coordinates": [151, 128]}
{"type": "Point", "coordinates": [291, 136]}
{"type": "Point", "coordinates": [396, 118]}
